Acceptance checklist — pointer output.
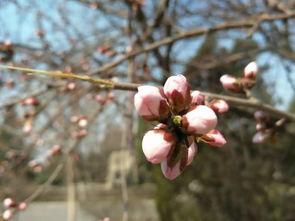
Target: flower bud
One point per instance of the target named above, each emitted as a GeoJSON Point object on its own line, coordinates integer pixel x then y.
{"type": "Point", "coordinates": [198, 98]}
{"type": "Point", "coordinates": [9, 82]}
{"type": "Point", "coordinates": [181, 157]}
{"type": "Point", "coordinates": [80, 134]}
{"type": "Point", "coordinates": [214, 138]}
{"type": "Point", "coordinates": [71, 86]}
{"type": "Point", "coordinates": [8, 203]}
{"type": "Point", "coordinates": [260, 126]}
{"type": "Point", "coordinates": [260, 116]}
{"type": "Point", "coordinates": [100, 99]}
{"type": "Point", "coordinates": [54, 150]}
{"type": "Point", "coordinates": [22, 206]}
{"type": "Point", "coordinates": [30, 101]}
{"type": "Point", "coordinates": [231, 83]}
{"type": "Point", "coordinates": [7, 214]}
{"type": "Point", "coordinates": [150, 103]}
{"type": "Point", "coordinates": [250, 71]}
{"type": "Point", "coordinates": [199, 120]}
{"type": "Point", "coordinates": [259, 137]}
{"type": "Point", "coordinates": [192, 150]}
{"type": "Point", "coordinates": [170, 172]}
{"type": "Point", "coordinates": [177, 91]}
{"type": "Point", "coordinates": [83, 122]}
{"type": "Point", "coordinates": [219, 106]}
{"type": "Point", "coordinates": [157, 144]}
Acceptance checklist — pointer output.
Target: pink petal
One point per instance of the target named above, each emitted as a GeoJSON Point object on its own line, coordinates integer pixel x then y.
{"type": "Point", "coordinates": [199, 120]}
{"type": "Point", "coordinates": [157, 144]}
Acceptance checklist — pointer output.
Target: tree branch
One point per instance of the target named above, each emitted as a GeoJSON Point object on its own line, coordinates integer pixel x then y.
{"type": "Point", "coordinates": [247, 23]}
{"type": "Point", "coordinates": [108, 84]}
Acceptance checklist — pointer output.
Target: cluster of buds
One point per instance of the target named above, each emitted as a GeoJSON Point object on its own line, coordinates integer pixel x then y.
{"type": "Point", "coordinates": [264, 127]}
{"type": "Point", "coordinates": [184, 120]}
{"type": "Point", "coordinates": [10, 206]}
{"type": "Point", "coordinates": [241, 85]}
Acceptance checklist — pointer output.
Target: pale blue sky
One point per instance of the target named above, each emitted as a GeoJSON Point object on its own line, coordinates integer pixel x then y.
{"type": "Point", "coordinates": [20, 26]}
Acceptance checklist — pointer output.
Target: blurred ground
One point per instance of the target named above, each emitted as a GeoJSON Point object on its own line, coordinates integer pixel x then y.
{"type": "Point", "coordinates": [143, 210]}
{"type": "Point", "coordinates": [95, 201]}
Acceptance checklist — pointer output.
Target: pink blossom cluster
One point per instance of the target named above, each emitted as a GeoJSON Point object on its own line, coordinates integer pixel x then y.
{"type": "Point", "coordinates": [183, 118]}
{"type": "Point", "coordinates": [10, 206]}
{"type": "Point", "coordinates": [240, 85]}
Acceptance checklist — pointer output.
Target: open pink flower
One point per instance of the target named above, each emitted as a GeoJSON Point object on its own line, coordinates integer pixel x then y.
{"type": "Point", "coordinates": [199, 120]}
{"type": "Point", "coordinates": [177, 91]}
{"type": "Point", "coordinates": [219, 106]}
{"type": "Point", "coordinates": [150, 103]}
{"type": "Point", "coordinates": [157, 144]}
{"type": "Point", "coordinates": [230, 83]}
{"type": "Point", "coordinates": [250, 71]}
{"type": "Point", "coordinates": [214, 138]}
{"type": "Point", "coordinates": [198, 98]}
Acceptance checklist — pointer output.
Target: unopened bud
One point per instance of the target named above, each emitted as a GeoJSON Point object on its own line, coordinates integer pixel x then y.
{"type": "Point", "coordinates": [259, 137]}
{"type": "Point", "coordinates": [22, 206]}
{"type": "Point", "coordinates": [177, 91]}
{"type": "Point", "coordinates": [157, 144]}
{"type": "Point", "coordinates": [7, 214]}
{"type": "Point", "coordinates": [150, 103]}
{"type": "Point", "coordinates": [9, 202]}
{"type": "Point", "coordinates": [199, 120]}
{"type": "Point", "coordinates": [219, 106]}
{"type": "Point", "coordinates": [231, 83]}
{"type": "Point", "coordinates": [198, 98]}
{"type": "Point", "coordinates": [250, 71]}
{"type": "Point", "coordinates": [214, 138]}
{"type": "Point", "coordinates": [54, 150]}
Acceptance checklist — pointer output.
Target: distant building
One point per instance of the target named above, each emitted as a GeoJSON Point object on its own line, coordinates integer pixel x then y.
{"type": "Point", "coordinates": [121, 164]}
